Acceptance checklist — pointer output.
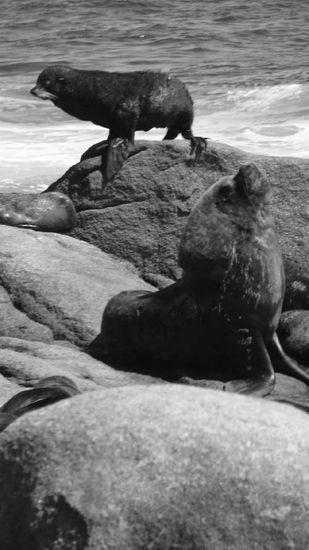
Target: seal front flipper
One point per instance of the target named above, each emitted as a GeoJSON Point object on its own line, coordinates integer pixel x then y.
{"type": "Point", "coordinates": [249, 355]}
{"type": "Point", "coordinates": [285, 364]}
{"type": "Point", "coordinates": [259, 386]}
{"type": "Point", "coordinates": [114, 156]}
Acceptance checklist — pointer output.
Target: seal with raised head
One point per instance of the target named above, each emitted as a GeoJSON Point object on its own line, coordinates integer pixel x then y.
{"type": "Point", "coordinates": [50, 211]}
{"type": "Point", "coordinates": [123, 103]}
{"type": "Point", "coordinates": [222, 316]}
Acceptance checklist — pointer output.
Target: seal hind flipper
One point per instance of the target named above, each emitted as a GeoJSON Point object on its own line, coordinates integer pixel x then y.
{"type": "Point", "coordinates": [249, 353]}
{"type": "Point", "coordinates": [198, 144]}
{"type": "Point", "coordinates": [284, 364]}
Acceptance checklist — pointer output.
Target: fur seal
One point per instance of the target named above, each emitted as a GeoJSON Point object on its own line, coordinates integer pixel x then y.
{"type": "Point", "coordinates": [222, 315]}
{"type": "Point", "coordinates": [43, 212]}
{"type": "Point", "coordinates": [49, 390]}
{"type": "Point", "coordinates": [123, 103]}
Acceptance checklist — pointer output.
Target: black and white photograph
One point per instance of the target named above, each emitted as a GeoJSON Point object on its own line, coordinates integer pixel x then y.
{"type": "Point", "coordinates": [154, 275]}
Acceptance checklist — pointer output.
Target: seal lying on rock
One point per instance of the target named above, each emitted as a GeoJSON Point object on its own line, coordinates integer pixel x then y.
{"type": "Point", "coordinates": [47, 391]}
{"type": "Point", "coordinates": [123, 103]}
{"type": "Point", "coordinates": [221, 317]}
{"type": "Point", "coordinates": [44, 212]}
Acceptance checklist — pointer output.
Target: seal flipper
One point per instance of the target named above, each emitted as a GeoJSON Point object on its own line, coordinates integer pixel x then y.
{"type": "Point", "coordinates": [248, 351]}
{"type": "Point", "coordinates": [47, 391]}
{"type": "Point", "coordinates": [198, 146]}
{"type": "Point", "coordinates": [114, 156]}
{"type": "Point", "coordinates": [285, 364]}
{"type": "Point", "coordinates": [95, 150]}
{"type": "Point", "coordinates": [29, 226]}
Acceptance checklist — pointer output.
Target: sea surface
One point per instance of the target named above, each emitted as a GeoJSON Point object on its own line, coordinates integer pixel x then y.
{"type": "Point", "coordinates": [246, 64]}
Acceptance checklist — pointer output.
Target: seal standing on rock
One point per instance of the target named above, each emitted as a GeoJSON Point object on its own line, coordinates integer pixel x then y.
{"type": "Point", "coordinates": [225, 310]}
{"type": "Point", "coordinates": [43, 212]}
{"type": "Point", "coordinates": [122, 102]}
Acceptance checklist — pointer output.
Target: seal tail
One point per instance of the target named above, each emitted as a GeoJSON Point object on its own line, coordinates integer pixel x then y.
{"type": "Point", "coordinates": [285, 364]}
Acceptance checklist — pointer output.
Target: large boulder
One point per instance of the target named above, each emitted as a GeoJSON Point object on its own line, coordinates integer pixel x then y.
{"type": "Point", "coordinates": [139, 215]}
{"type": "Point", "coordinates": [156, 467]}
{"type": "Point", "coordinates": [56, 287]}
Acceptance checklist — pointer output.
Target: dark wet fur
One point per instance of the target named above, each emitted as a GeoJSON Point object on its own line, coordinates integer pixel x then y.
{"type": "Point", "coordinates": [49, 390]}
{"type": "Point", "coordinates": [123, 103]}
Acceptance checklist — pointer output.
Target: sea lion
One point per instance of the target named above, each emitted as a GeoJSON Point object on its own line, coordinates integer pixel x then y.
{"type": "Point", "coordinates": [123, 103]}
{"type": "Point", "coordinates": [49, 390]}
{"type": "Point", "coordinates": [43, 212]}
{"type": "Point", "coordinates": [221, 317]}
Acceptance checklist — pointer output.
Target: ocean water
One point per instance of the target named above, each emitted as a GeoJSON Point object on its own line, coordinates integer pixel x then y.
{"type": "Point", "coordinates": [244, 62]}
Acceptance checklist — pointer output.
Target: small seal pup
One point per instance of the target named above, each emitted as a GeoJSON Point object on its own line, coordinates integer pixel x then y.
{"type": "Point", "coordinates": [43, 212]}
{"type": "Point", "coordinates": [123, 103]}
{"type": "Point", "coordinates": [223, 314]}
{"type": "Point", "coordinates": [49, 390]}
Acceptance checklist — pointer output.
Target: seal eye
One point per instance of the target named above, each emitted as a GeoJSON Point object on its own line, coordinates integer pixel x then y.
{"type": "Point", "coordinates": [60, 79]}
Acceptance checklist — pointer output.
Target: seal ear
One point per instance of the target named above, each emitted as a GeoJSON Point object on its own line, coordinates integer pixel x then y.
{"type": "Point", "coordinates": [249, 181]}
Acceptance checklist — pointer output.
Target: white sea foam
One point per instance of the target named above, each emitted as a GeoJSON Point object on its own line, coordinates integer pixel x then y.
{"type": "Point", "coordinates": [270, 120]}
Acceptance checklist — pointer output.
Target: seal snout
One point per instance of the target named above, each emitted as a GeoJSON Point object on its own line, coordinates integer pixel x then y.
{"type": "Point", "coordinates": [250, 182]}
{"type": "Point", "coordinates": [39, 91]}
{"type": "Point", "coordinates": [34, 91]}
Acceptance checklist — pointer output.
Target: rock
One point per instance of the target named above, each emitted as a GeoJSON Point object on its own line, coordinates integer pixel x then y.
{"type": "Point", "coordinates": [293, 331]}
{"type": "Point", "coordinates": [16, 323]}
{"type": "Point", "coordinates": [156, 190]}
{"type": "Point", "coordinates": [54, 286]}
{"type": "Point", "coordinates": [25, 363]}
{"type": "Point", "coordinates": [163, 467]}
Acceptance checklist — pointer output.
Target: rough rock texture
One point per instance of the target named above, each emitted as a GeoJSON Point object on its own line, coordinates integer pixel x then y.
{"type": "Point", "coordinates": [53, 286]}
{"type": "Point", "coordinates": [140, 214]}
{"type": "Point", "coordinates": [156, 467]}
{"type": "Point", "coordinates": [25, 363]}
{"type": "Point", "coordinates": [294, 334]}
